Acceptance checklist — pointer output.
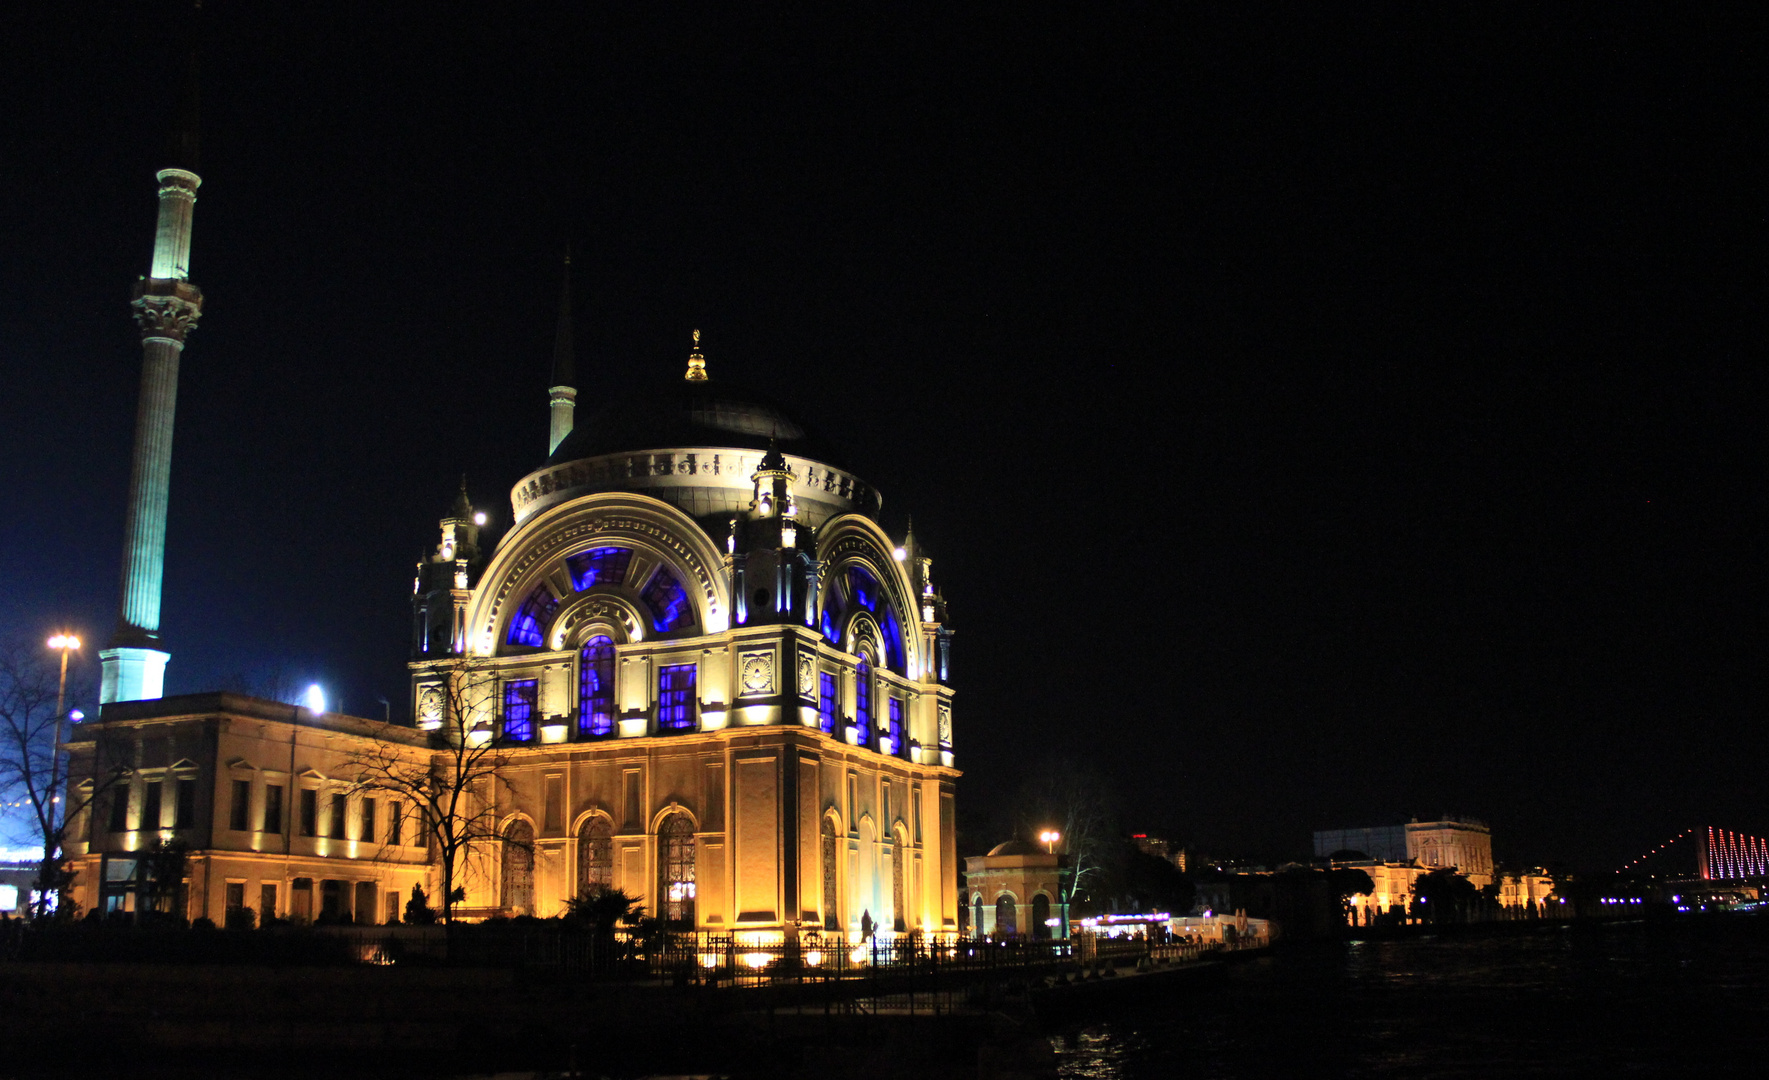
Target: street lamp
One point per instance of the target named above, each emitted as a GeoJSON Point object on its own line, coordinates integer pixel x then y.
{"type": "Point", "coordinates": [63, 643]}
{"type": "Point", "coordinates": [1048, 838]}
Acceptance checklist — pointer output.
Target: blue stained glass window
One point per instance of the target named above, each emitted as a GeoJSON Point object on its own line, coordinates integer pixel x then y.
{"type": "Point", "coordinates": [826, 703]}
{"type": "Point", "coordinates": [675, 697]}
{"type": "Point", "coordinates": [667, 599]}
{"type": "Point", "coordinates": [595, 713]}
{"type": "Point", "coordinates": [598, 566]}
{"type": "Point", "coordinates": [835, 612]}
{"type": "Point", "coordinates": [519, 698]}
{"type": "Point", "coordinates": [863, 700]}
{"type": "Point", "coordinates": [893, 637]}
{"type": "Point", "coordinates": [896, 729]}
{"type": "Point", "coordinates": [865, 587]}
{"type": "Point", "coordinates": [529, 627]}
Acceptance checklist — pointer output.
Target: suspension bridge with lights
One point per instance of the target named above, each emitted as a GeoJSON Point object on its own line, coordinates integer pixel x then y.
{"type": "Point", "coordinates": [1708, 855]}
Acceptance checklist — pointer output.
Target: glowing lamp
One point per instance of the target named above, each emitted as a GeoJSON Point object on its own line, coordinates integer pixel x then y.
{"type": "Point", "coordinates": [314, 699]}
{"type": "Point", "coordinates": [899, 553]}
{"type": "Point", "coordinates": [76, 716]}
{"type": "Point", "coordinates": [479, 518]}
{"type": "Point", "coordinates": [64, 642]}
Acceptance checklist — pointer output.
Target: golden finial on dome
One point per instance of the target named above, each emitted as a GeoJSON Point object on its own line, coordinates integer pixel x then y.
{"type": "Point", "coordinates": [696, 362]}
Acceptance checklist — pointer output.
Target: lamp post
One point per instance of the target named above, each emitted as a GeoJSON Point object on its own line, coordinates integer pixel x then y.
{"type": "Point", "coordinates": [65, 644]}
{"type": "Point", "coordinates": [1049, 838]}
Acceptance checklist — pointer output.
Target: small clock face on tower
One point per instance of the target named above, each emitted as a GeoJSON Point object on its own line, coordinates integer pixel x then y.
{"type": "Point", "coordinates": [758, 674]}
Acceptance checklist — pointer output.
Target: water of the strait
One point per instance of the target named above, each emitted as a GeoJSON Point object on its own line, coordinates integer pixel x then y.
{"type": "Point", "coordinates": [1635, 1000]}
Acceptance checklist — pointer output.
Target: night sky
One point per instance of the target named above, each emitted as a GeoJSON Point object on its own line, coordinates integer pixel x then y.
{"type": "Point", "coordinates": [1317, 417]}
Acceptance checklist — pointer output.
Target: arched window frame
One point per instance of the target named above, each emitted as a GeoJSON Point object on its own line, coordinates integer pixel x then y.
{"type": "Point", "coordinates": [595, 853]}
{"type": "Point", "coordinates": [864, 690]}
{"type": "Point", "coordinates": [677, 856]}
{"type": "Point", "coordinates": [516, 876]}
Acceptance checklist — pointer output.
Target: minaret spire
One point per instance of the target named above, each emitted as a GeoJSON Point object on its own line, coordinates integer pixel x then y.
{"type": "Point", "coordinates": [562, 395]}
{"type": "Point", "coordinates": [166, 307]}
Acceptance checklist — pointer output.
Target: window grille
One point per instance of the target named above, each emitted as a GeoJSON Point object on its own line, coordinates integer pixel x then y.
{"type": "Point", "coordinates": [598, 566]}
{"type": "Point", "coordinates": [596, 686]}
{"type": "Point", "coordinates": [519, 699]}
{"type": "Point", "coordinates": [529, 625]}
{"type": "Point", "coordinates": [676, 870]}
{"type": "Point", "coordinates": [667, 600]}
{"type": "Point", "coordinates": [827, 705]}
{"type": "Point", "coordinates": [675, 697]}
{"type": "Point", "coordinates": [595, 856]}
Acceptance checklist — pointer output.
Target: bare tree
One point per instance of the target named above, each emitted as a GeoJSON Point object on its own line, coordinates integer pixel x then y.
{"type": "Point", "coordinates": [1081, 805]}
{"type": "Point", "coordinates": [32, 770]}
{"type": "Point", "coordinates": [449, 773]}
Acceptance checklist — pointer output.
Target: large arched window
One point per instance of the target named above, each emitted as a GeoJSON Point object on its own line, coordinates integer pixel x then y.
{"type": "Point", "coordinates": [675, 871]}
{"type": "Point", "coordinates": [529, 626]}
{"type": "Point", "coordinates": [831, 886]}
{"type": "Point", "coordinates": [667, 600]}
{"type": "Point", "coordinates": [595, 855]}
{"type": "Point", "coordinates": [1006, 917]}
{"type": "Point", "coordinates": [598, 566]}
{"type": "Point", "coordinates": [517, 896]}
{"type": "Point", "coordinates": [863, 697]}
{"type": "Point", "coordinates": [595, 698]}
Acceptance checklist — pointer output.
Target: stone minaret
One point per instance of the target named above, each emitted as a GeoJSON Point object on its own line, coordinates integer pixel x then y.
{"type": "Point", "coordinates": [562, 395]}
{"type": "Point", "coordinates": [166, 307]}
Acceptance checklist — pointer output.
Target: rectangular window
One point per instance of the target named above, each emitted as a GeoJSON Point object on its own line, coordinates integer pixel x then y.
{"type": "Point", "coordinates": [185, 815]}
{"type": "Point", "coordinates": [337, 822]}
{"type": "Point", "coordinates": [301, 899]}
{"type": "Point", "coordinates": [266, 902]}
{"type": "Point", "coordinates": [273, 808]}
{"type": "Point", "coordinates": [395, 823]}
{"type": "Point", "coordinates": [151, 807]}
{"type": "Point", "coordinates": [519, 698]}
{"type": "Point", "coordinates": [896, 726]}
{"type": "Point", "coordinates": [826, 702]}
{"type": "Point", "coordinates": [242, 804]}
{"type": "Point", "coordinates": [236, 895]}
{"type": "Point", "coordinates": [367, 832]}
{"type": "Point", "coordinates": [392, 909]}
{"type": "Point", "coordinates": [120, 809]}
{"type": "Point", "coordinates": [675, 697]}
{"type": "Point", "coordinates": [309, 812]}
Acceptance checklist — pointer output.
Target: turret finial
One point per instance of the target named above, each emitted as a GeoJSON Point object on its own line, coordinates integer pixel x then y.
{"type": "Point", "coordinates": [696, 362]}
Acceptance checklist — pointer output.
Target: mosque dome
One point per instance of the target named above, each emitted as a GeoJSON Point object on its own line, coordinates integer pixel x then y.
{"type": "Point", "coordinates": [695, 443]}
{"type": "Point", "coordinates": [1016, 847]}
{"type": "Point", "coordinates": [682, 413]}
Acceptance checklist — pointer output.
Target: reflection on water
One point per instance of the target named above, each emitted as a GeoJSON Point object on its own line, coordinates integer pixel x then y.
{"type": "Point", "coordinates": [1622, 1001]}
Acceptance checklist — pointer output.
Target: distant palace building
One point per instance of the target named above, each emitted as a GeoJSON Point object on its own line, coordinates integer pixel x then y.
{"type": "Point", "coordinates": [711, 677]}
{"type": "Point", "coordinates": [1397, 855]}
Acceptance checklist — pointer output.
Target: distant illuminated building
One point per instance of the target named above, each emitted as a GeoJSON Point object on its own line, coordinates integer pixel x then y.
{"type": "Point", "coordinates": [1017, 890]}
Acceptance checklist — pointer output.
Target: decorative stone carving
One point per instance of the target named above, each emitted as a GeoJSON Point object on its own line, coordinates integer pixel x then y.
{"type": "Point", "coordinates": [807, 676]}
{"type": "Point", "coordinates": [430, 707]}
{"type": "Point", "coordinates": [166, 309]}
{"type": "Point", "coordinates": [756, 670]}
{"type": "Point", "coordinates": [945, 724]}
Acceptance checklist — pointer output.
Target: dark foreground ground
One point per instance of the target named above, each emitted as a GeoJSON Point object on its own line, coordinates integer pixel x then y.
{"type": "Point", "coordinates": [1689, 997]}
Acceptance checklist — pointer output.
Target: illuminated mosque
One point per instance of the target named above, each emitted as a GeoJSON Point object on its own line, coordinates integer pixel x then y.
{"type": "Point", "coordinates": [711, 679]}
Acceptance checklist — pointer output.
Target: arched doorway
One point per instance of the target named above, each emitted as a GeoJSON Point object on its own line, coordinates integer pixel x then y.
{"type": "Point", "coordinates": [1006, 917]}
{"type": "Point", "coordinates": [1041, 916]}
{"type": "Point", "coordinates": [595, 855]}
{"type": "Point", "coordinates": [977, 919]}
{"type": "Point", "coordinates": [517, 896]}
{"type": "Point", "coordinates": [831, 885]}
{"type": "Point", "coordinates": [675, 871]}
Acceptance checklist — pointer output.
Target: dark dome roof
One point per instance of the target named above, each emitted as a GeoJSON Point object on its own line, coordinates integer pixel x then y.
{"type": "Point", "coordinates": [683, 413]}
{"type": "Point", "coordinates": [1016, 847]}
